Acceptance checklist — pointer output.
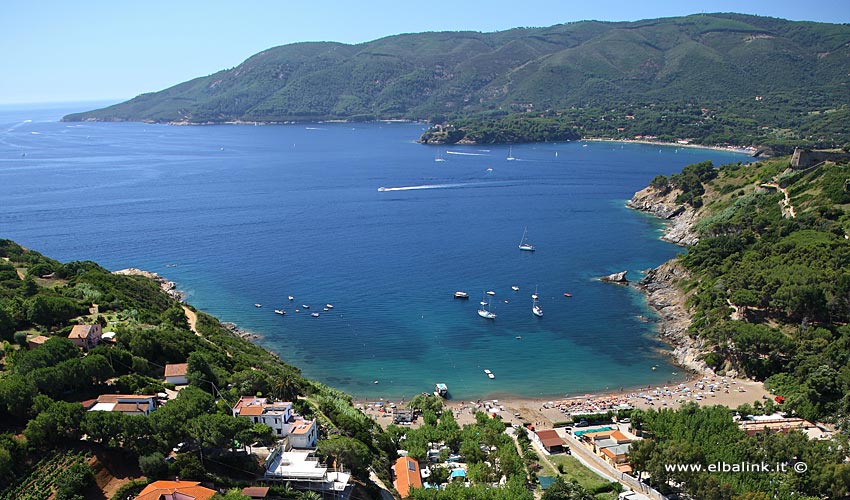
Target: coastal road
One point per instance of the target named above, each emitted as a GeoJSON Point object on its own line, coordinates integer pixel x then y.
{"type": "Point", "coordinates": [604, 469]}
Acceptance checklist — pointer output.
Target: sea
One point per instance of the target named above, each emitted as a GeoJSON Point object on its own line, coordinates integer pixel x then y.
{"type": "Point", "coordinates": [239, 215]}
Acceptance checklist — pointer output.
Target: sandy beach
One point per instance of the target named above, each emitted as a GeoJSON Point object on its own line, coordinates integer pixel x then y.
{"type": "Point", "coordinates": [733, 149]}
{"type": "Point", "coordinates": [705, 390]}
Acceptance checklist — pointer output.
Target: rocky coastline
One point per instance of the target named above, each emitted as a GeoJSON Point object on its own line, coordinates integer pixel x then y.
{"type": "Point", "coordinates": [169, 287]}
{"type": "Point", "coordinates": [662, 284]}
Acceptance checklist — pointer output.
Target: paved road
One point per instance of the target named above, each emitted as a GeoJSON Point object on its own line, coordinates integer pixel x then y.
{"type": "Point", "coordinates": [604, 469]}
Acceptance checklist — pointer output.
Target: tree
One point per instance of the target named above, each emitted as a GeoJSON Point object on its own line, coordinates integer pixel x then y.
{"type": "Point", "coordinates": [153, 466]}
{"type": "Point", "coordinates": [217, 430]}
{"type": "Point", "coordinates": [563, 490]}
{"type": "Point", "coordinates": [347, 452]}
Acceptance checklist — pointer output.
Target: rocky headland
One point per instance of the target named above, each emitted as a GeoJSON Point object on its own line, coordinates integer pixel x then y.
{"type": "Point", "coordinates": [661, 202]}
{"type": "Point", "coordinates": [662, 285]}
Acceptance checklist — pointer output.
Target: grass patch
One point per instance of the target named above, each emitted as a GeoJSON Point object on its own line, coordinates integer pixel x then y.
{"type": "Point", "coordinates": [573, 469]}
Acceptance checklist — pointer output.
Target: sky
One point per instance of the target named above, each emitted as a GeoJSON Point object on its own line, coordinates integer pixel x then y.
{"type": "Point", "coordinates": [107, 50]}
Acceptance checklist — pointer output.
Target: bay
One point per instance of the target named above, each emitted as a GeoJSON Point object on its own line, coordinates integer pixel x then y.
{"type": "Point", "coordinates": [239, 215]}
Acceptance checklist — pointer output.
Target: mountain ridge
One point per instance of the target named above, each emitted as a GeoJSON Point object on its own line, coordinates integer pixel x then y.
{"type": "Point", "coordinates": [702, 57]}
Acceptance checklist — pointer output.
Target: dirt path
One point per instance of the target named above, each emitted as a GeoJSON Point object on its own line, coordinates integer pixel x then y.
{"type": "Point", "coordinates": [192, 318]}
{"type": "Point", "coordinates": [787, 207]}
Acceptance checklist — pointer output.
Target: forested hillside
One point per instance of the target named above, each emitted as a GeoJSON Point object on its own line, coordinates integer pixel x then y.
{"type": "Point", "coordinates": [42, 419]}
{"type": "Point", "coordinates": [704, 64]}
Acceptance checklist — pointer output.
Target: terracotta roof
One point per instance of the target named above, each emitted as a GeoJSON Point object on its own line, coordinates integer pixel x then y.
{"type": "Point", "coordinates": [189, 490]}
{"type": "Point", "coordinates": [406, 476]}
{"type": "Point", "coordinates": [131, 407]}
{"type": "Point", "coordinates": [550, 438]}
{"type": "Point", "coordinates": [256, 491]}
{"type": "Point", "coordinates": [39, 339]}
{"type": "Point", "coordinates": [251, 411]}
{"type": "Point", "coordinates": [81, 331]}
{"type": "Point", "coordinates": [176, 369]}
{"type": "Point", "coordinates": [114, 398]}
{"type": "Point", "coordinates": [302, 427]}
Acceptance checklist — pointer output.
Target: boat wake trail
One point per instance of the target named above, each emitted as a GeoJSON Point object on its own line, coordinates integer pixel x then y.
{"type": "Point", "coordinates": [425, 186]}
{"type": "Point", "coordinates": [465, 154]}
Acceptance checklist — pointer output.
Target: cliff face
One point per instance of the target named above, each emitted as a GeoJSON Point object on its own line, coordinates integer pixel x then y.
{"type": "Point", "coordinates": [662, 284]}
{"type": "Point", "coordinates": [664, 294]}
{"type": "Point", "coordinates": [661, 202]}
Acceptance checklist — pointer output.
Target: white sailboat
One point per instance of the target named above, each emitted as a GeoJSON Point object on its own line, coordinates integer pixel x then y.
{"type": "Point", "coordinates": [524, 244]}
{"type": "Point", "coordinates": [484, 310]}
{"type": "Point", "coordinates": [439, 157]}
{"type": "Point", "coordinates": [536, 309]}
{"type": "Point", "coordinates": [510, 154]}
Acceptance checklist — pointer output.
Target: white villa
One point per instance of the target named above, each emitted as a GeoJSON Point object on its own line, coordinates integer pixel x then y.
{"type": "Point", "coordinates": [284, 422]}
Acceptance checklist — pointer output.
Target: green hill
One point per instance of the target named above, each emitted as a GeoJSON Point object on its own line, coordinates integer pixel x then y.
{"type": "Point", "coordinates": [703, 58]}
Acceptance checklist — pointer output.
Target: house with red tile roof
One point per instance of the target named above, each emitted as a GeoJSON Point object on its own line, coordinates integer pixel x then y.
{"type": "Point", "coordinates": [176, 373]}
{"type": "Point", "coordinates": [129, 404]}
{"type": "Point", "coordinates": [86, 336]}
{"type": "Point", "coordinates": [549, 440]}
{"type": "Point", "coordinates": [280, 417]}
{"type": "Point", "coordinates": [175, 490]}
{"type": "Point", "coordinates": [407, 476]}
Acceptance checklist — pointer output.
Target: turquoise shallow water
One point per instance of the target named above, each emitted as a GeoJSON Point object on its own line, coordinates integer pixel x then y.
{"type": "Point", "coordinates": [239, 215]}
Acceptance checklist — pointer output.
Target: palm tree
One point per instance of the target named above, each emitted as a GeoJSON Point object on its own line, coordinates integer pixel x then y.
{"type": "Point", "coordinates": [310, 495]}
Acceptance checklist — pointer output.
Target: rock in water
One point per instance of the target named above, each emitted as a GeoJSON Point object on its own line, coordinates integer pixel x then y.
{"type": "Point", "coordinates": [616, 278]}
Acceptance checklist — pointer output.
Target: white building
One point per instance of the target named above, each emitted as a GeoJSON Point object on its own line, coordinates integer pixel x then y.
{"type": "Point", "coordinates": [284, 422]}
{"type": "Point", "coordinates": [177, 373]}
{"type": "Point", "coordinates": [129, 404]}
{"type": "Point", "coordinates": [305, 472]}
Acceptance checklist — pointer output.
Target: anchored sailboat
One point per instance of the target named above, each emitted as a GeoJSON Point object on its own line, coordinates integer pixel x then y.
{"type": "Point", "coordinates": [524, 244]}
{"type": "Point", "coordinates": [484, 310]}
{"type": "Point", "coordinates": [536, 309]}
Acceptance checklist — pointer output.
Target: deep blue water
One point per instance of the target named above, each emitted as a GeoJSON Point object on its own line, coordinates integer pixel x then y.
{"type": "Point", "coordinates": [252, 214]}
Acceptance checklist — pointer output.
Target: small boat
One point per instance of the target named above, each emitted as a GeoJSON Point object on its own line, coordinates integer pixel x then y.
{"type": "Point", "coordinates": [506, 301]}
{"type": "Point", "coordinates": [524, 244]}
{"type": "Point", "coordinates": [439, 157]}
{"type": "Point", "coordinates": [510, 154]}
{"type": "Point", "coordinates": [291, 297]}
{"type": "Point", "coordinates": [258, 305]}
{"type": "Point", "coordinates": [381, 190]}
{"type": "Point", "coordinates": [536, 309]}
{"type": "Point", "coordinates": [441, 390]}
{"type": "Point", "coordinates": [375, 382]}
{"type": "Point", "coordinates": [329, 306]}
{"type": "Point", "coordinates": [491, 376]}
{"type": "Point", "coordinates": [519, 337]}
{"type": "Point", "coordinates": [568, 295]}
{"type": "Point", "coordinates": [488, 372]}
{"type": "Point", "coordinates": [279, 311]}
{"type": "Point", "coordinates": [461, 295]}
{"type": "Point", "coordinates": [490, 292]}
{"type": "Point", "coordinates": [315, 315]}
{"type": "Point", "coordinates": [325, 309]}
{"type": "Point", "coordinates": [489, 169]}
{"type": "Point", "coordinates": [515, 288]}
{"type": "Point", "coordinates": [305, 306]}
{"type": "Point", "coordinates": [298, 310]}
{"type": "Point", "coordinates": [484, 311]}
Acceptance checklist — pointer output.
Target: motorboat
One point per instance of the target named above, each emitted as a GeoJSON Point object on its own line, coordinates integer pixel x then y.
{"type": "Point", "coordinates": [279, 311]}
{"type": "Point", "coordinates": [461, 295]}
{"type": "Point", "coordinates": [441, 390]}
{"type": "Point", "coordinates": [291, 297]}
{"type": "Point", "coordinates": [490, 292]}
{"type": "Point", "coordinates": [329, 306]}
{"type": "Point", "coordinates": [315, 315]}
{"type": "Point", "coordinates": [258, 305]}
{"type": "Point", "coordinates": [305, 306]}
{"type": "Point", "coordinates": [515, 288]}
